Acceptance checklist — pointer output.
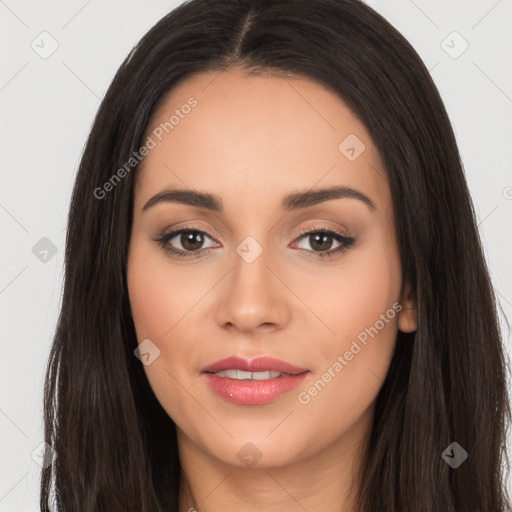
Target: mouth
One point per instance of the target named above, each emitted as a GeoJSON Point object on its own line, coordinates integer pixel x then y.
{"type": "Point", "coordinates": [252, 381]}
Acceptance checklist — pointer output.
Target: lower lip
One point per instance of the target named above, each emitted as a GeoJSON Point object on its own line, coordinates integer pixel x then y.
{"type": "Point", "coordinates": [253, 392]}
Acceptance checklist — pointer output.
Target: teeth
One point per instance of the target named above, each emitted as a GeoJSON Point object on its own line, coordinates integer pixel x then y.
{"type": "Point", "coordinates": [265, 375]}
{"type": "Point", "coordinates": [243, 375]}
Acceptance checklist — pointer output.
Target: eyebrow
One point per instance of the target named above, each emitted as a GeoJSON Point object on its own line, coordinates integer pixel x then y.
{"type": "Point", "coordinates": [290, 202]}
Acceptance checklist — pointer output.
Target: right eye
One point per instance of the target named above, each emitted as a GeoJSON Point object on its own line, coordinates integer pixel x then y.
{"type": "Point", "coordinates": [191, 240]}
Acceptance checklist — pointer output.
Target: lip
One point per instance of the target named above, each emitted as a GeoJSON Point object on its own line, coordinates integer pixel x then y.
{"type": "Point", "coordinates": [253, 392]}
{"type": "Point", "coordinates": [258, 364]}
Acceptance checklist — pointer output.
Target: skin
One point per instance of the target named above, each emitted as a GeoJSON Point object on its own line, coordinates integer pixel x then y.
{"type": "Point", "coordinates": [251, 140]}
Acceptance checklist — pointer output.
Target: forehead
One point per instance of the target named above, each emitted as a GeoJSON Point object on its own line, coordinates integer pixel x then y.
{"type": "Point", "coordinates": [255, 134]}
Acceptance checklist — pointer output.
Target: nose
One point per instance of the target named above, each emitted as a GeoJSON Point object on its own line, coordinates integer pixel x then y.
{"type": "Point", "coordinates": [253, 297]}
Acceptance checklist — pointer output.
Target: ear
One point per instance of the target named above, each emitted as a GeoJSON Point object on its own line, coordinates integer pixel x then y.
{"type": "Point", "coordinates": [408, 316]}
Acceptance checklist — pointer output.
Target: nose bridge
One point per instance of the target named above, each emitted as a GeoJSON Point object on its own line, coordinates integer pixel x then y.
{"type": "Point", "coordinates": [252, 296]}
{"type": "Point", "coordinates": [250, 276]}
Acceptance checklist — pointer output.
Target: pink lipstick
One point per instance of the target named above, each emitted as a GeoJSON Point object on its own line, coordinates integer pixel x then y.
{"type": "Point", "coordinates": [252, 381]}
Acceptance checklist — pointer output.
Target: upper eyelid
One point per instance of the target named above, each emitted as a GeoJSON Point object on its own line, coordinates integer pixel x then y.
{"type": "Point", "coordinates": [177, 231]}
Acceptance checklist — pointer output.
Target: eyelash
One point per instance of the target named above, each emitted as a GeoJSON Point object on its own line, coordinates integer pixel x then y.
{"type": "Point", "coordinates": [346, 242]}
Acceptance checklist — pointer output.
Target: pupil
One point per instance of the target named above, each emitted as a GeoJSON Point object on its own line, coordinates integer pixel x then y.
{"type": "Point", "coordinates": [322, 237]}
{"type": "Point", "coordinates": [187, 239]}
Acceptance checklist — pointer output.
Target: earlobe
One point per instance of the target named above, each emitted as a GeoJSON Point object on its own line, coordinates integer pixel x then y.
{"type": "Point", "coordinates": [408, 316]}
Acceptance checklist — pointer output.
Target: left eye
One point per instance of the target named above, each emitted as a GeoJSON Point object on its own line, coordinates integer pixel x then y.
{"type": "Point", "coordinates": [322, 240]}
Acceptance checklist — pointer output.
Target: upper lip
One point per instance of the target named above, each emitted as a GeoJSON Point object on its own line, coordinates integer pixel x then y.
{"type": "Point", "coordinates": [258, 364]}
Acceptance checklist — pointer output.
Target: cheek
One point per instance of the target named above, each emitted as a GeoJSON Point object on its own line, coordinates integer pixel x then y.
{"type": "Point", "coordinates": [356, 295]}
{"type": "Point", "coordinates": [159, 297]}
{"type": "Point", "coordinates": [163, 300]}
{"type": "Point", "coordinates": [157, 310]}
{"type": "Point", "coordinates": [360, 307]}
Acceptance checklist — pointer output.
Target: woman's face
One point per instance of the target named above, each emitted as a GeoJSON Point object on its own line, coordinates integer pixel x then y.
{"type": "Point", "coordinates": [255, 277]}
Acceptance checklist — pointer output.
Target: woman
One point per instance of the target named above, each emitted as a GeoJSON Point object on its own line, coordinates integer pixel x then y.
{"type": "Point", "coordinates": [275, 294]}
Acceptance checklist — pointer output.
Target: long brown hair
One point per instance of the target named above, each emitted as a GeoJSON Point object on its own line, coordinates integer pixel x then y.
{"type": "Point", "coordinates": [116, 446]}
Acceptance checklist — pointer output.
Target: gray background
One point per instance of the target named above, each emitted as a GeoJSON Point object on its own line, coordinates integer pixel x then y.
{"type": "Point", "coordinates": [47, 106]}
